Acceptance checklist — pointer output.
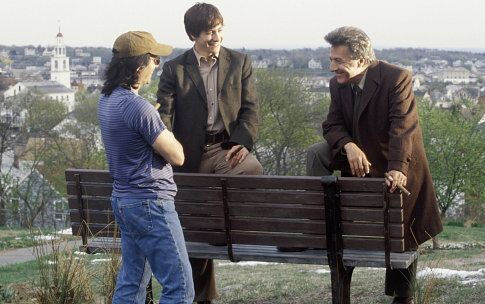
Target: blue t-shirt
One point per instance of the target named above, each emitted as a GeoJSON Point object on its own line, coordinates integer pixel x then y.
{"type": "Point", "coordinates": [129, 126]}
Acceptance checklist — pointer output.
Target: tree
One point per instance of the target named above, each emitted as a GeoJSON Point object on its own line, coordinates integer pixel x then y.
{"type": "Point", "coordinates": [27, 121]}
{"type": "Point", "coordinates": [455, 146]}
{"type": "Point", "coordinates": [76, 142]}
{"type": "Point", "coordinates": [11, 129]}
{"type": "Point", "coordinates": [290, 115]}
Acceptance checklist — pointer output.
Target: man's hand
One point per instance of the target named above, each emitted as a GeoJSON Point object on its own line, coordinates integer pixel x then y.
{"type": "Point", "coordinates": [359, 165]}
{"type": "Point", "coordinates": [395, 178]}
{"type": "Point", "coordinates": [236, 155]}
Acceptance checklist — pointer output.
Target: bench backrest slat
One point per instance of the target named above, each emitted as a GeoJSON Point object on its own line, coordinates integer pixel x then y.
{"type": "Point", "coordinates": [315, 227]}
{"type": "Point", "coordinates": [264, 210]}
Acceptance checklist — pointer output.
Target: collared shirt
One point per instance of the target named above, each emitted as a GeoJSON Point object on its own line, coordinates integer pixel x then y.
{"type": "Point", "coordinates": [208, 68]}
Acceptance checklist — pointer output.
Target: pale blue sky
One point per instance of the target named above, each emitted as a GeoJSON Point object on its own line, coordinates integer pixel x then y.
{"type": "Point", "coordinates": [249, 23]}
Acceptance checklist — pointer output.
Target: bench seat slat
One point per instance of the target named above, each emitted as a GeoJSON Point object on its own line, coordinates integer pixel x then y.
{"type": "Point", "coordinates": [291, 240]}
{"type": "Point", "coordinates": [271, 254]}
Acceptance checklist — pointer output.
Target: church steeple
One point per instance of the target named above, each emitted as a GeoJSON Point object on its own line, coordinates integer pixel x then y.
{"type": "Point", "coordinates": [60, 71]}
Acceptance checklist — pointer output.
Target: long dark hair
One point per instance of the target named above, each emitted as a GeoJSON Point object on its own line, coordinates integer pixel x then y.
{"type": "Point", "coordinates": [123, 72]}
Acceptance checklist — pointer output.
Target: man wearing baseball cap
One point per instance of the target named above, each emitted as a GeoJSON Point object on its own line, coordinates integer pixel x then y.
{"type": "Point", "coordinates": [141, 151]}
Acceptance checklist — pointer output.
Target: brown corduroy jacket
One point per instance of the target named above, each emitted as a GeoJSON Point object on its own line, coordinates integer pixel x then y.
{"type": "Point", "coordinates": [391, 138]}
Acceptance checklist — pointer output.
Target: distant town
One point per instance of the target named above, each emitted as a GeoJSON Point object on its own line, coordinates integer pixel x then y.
{"type": "Point", "coordinates": [58, 76]}
{"type": "Point", "coordinates": [59, 71]}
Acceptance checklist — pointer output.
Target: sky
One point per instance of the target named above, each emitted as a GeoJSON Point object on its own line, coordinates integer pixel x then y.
{"type": "Point", "coordinates": [275, 24]}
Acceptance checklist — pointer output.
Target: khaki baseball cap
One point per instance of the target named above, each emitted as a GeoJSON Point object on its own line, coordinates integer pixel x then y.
{"type": "Point", "coordinates": [136, 43]}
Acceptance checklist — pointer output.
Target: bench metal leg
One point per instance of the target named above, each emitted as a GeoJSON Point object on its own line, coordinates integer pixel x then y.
{"type": "Point", "coordinates": [149, 296]}
{"type": "Point", "coordinates": [341, 277]}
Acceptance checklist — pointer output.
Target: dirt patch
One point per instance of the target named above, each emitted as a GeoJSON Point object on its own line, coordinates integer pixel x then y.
{"type": "Point", "coordinates": [463, 262]}
{"type": "Point", "coordinates": [22, 293]}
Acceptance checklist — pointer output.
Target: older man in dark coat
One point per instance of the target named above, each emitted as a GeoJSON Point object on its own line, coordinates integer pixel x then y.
{"type": "Point", "coordinates": [371, 129]}
{"type": "Point", "coordinates": [208, 99]}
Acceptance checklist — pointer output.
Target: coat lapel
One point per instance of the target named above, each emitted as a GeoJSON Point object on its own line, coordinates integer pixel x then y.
{"type": "Point", "coordinates": [192, 68]}
{"type": "Point", "coordinates": [372, 81]}
{"type": "Point", "coordinates": [224, 63]}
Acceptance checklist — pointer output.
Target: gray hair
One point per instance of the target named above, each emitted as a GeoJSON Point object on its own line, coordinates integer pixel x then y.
{"type": "Point", "coordinates": [355, 39]}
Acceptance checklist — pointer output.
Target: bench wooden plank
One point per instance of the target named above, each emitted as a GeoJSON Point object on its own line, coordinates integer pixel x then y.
{"type": "Point", "coordinates": [245, 181]}
{"type": "Point", "coordinates": [262, 210]}
{"type": "Point", "coordinates": [262, 224]}
{"type": "Point", "coordinates": [290, 197]}
{"type": "Point", "coordinates": [101, 176]}
{"type": "Point", "coordinates": [362, 199]}
{"type": "Point", "coordinates": [271, 254]}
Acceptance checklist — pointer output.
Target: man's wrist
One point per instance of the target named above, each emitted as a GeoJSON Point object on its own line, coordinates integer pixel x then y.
{"type": "Point", "coordinates": [347, 146]}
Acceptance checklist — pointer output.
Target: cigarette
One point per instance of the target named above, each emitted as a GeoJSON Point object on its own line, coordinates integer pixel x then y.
{"type": "Point", "coordinates": [401, 187]}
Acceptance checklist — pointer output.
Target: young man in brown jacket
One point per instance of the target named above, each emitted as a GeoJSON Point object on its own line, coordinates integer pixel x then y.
{"type": "Point", "coordinates": [208, 99]}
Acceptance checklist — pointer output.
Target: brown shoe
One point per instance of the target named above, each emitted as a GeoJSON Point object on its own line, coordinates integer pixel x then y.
{"type": "Point", "coordinates": [204, 302]}
{"type": "Point", "coordinates": [403, 300]}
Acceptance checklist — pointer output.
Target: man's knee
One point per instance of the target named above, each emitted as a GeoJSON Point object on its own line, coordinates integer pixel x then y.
{"type": "Point", "coordinates": [319, 158]}
{"type": "Point", "coordinates": [319, 149]}
{"type": "Point", "coordinates": [251, 166]}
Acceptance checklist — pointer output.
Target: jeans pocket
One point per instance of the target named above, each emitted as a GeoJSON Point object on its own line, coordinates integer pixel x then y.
{"type": "Point", "coordinates": [136, 215]}
{"type": "Point", "coordinates": [168, 205]}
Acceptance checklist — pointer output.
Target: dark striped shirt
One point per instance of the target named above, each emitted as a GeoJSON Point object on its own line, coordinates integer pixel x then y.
{"type": "Point", "coordinates": [129, 126]}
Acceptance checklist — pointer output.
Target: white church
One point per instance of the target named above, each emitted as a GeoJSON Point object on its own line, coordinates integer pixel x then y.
{"type": "Point", "coordinates": [59, 85]}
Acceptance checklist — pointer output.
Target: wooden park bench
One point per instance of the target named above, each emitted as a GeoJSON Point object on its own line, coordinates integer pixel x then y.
{"type": "Point", "coordinates": [346, 222]}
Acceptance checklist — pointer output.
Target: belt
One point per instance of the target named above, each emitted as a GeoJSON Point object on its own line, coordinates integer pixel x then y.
{"type": "Point", "coordinates": [214, 138]}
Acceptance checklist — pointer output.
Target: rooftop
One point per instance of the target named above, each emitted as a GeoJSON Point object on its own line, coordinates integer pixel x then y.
{"type": "Point", "coordinates": [47, 87]}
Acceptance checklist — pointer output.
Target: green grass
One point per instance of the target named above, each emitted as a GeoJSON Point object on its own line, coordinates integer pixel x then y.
{"type": "Point", "coordinates": [293, 283]}
{"type": "Point", "coordinates": [18, 273]}
{"type": "Point", "coordinates": [15, 238]}
{"type": "Point", "coordinates": [22, 238]}
{"type": "Point", "coordinates": [462, 234]}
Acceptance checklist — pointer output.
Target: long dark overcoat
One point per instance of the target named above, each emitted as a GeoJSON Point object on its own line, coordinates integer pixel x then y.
{"type": "Point", "coordinates": [183, 102]}
{"type": "Point", "coordinates": [391, 138]}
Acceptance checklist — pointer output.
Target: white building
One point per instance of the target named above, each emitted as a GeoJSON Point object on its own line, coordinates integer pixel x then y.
{"type": "Point", "coordinates": [97, 60]}
{"type": "Point", "coordinates": [455, 75]}
{"type": "Point", "coordinates": [48, 53]}
{"type": "Point", "coordinates": [457, 63]}
{"type": "Point", "coordinates": [283, 62]}
{"type": "Point", "coordinates": [53, 90]}
{"type": "Point", "coordinates": [416, 83]}
{"type": "Point", "coordinates": [60, 63]}
{"type": "Point", "coordinates": [81, 53]}
{"type": "Point", "coordinates": [261, 64]}
{"type": "Point", "coordinates": [313, 64]}
{"type": "Point", "coordinates": [48, 89]}
{"type": "Point", "coordinates": [14, 90]}
{"type": "Point", "coordinates": [4, 53]}
{"type": "Point", "coordinates": [29, 52]}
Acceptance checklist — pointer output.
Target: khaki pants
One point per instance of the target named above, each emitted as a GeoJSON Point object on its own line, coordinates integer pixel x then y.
{"type": "Point", "coordinates": [213, 161]}
{"type": "Point", "coordinates": [399, 282]}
